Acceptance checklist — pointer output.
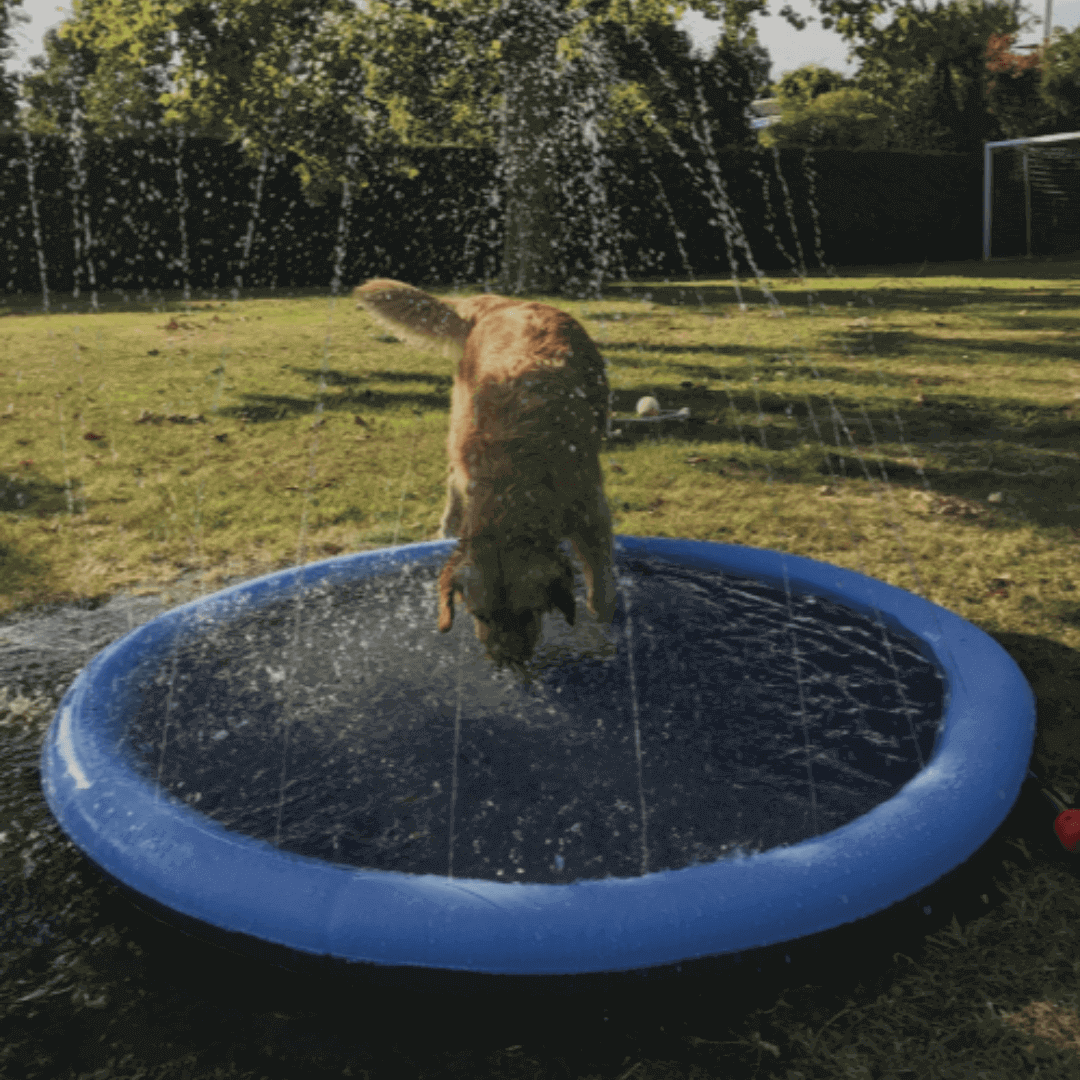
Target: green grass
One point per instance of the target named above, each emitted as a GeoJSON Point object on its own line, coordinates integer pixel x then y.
{"type": "Point", "coordinates": [960, 388]}
{"type": "Point", "coordinates": [316, 434]}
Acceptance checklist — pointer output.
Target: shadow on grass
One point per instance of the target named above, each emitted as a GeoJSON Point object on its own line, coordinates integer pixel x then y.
{"type": "Point", "coordinates": [30, 493]}
{"type": "Point", "coordinates": [334, 377]}
{"type": "Point", "coordinates": [887, 283]}
{"type": "Point", "coordinates": [29, 304]}
{"type": "Point", "coordinates": [992, 448]}
{"type": "Point", "coordinates": [1053, 673]}
{"type": "Point", "coordinates": [713, 299]}
{"type": "Point", "coordinates": [22, 574]}
{"type": "Point", "coordinates": [963, 352]}
{"type": "Point", "coordinates": [263, 408]}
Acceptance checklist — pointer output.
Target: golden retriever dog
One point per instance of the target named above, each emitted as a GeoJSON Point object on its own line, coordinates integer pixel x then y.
{"type": "Point", "coordinates": [529, 405]}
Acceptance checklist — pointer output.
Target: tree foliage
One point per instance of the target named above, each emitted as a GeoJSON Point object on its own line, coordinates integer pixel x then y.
{"type": "Point", "coordinates": [320, 76]}
{"type": "Point", "coordinates": [820, 108]}
{"type": "Point", "coordinates": [8, 84]}
{"type": "Point", "coordinates": [932, 80]}
{"type": "Point", "coordinates": [801, 86]}
{"type": "Point", "coordinates": [1059, 85]}
{"type": "Point", "coordinates": [843, 119]}
{"type": "Point", "coordinates": [257, 72]}
{"type": "Point", "coordinates": [1013, 90]}
{"type": "Point", "coordinates": [58, 95]}
{"type": "Point", "coordinates": [664, 91]}
{"type": "Point", "coordinates": [954, 83]}
{"type": "Point", "coordinates": [931, 64]}
{"type": "Point", "coordinates": [317, 76]}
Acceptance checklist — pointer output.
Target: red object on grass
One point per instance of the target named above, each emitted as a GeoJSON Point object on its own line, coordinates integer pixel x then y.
{"type": "Point", "coordinates": [1067, 827]}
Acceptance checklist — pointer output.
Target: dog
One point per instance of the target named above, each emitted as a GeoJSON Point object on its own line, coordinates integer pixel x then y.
{"type": "Point", "coordinates": [529, 406]}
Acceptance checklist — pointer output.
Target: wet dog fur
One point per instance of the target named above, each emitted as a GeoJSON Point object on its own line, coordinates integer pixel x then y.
{"type": "Point", "coordinates": [529, 405]}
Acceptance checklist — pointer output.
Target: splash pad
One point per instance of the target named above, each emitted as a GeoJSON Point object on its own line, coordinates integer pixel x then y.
{"type": "Point", "coordinates": [765, 747]}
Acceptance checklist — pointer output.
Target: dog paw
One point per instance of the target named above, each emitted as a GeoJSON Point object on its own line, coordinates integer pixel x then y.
{"type": "Point", "coordinates": [603, 600]}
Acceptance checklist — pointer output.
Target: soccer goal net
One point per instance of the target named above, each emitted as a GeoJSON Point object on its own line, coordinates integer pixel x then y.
{"type": "Point", "coordinates": [1031, 196]}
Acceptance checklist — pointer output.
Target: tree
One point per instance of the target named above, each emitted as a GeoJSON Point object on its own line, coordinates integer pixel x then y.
{"type": "Point", "coordinates": [318, 76]}
{"type": "Point", "coordinates": [927, 73]}
{"type": "Point", "coordinates": [1060, 80]}
{"type": "Point", "coordinates": [801, 86]}
{"type": "Point", "coordinates": [55, 92]}
{"type": "Point", "coordinates": [933, 79]}
{"type": "Point", "coordinates": [8, 84]}
{"type": "Point", "coordinates": [573, 74]}
{"type": "Point", "coordinates": [843, 119]}
{"type": "Point", "coordinates": [219, 64]}
{"type": "Point", "coordinates": [820, 108]}
{"type": "Point", "coordinates": [233, 69]}
{"type": "Point", "coordinates": [659, 75]}
{"type": "Point", "coordinates": [1013, 90]}
{"type": "Point", "coordinates": [931, 65]}
{"type": "Point", "coordinates": [625, 85]}
{"type": "Point", "coordinates": [407, 72]}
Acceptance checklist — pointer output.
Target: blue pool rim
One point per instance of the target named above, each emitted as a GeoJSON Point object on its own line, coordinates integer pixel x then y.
{"type": "Point", "coordinates": [167, 852]}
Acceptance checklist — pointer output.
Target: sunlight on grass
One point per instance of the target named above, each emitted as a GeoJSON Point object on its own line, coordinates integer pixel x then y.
{"type": "Point", "coordinates": [1056, 1024]}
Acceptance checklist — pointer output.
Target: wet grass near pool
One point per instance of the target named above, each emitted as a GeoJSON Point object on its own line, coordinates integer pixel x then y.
{"type": "Point", "coordinates": [918, 424]}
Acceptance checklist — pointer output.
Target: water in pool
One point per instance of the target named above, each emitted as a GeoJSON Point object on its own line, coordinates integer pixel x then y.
{"type": "Point", "coordinates": [716, 718]}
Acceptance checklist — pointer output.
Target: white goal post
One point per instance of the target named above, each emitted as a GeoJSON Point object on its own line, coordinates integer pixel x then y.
{"type": "Point", "coordinates": [988, 186]}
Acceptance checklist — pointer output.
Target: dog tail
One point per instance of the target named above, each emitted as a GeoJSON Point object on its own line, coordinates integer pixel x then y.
{"type": "Point", "coordinates": [421, 320]}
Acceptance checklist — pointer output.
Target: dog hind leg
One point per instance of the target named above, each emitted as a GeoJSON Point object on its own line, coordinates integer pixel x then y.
{"type": "Point", "coordinates": [591, 540]}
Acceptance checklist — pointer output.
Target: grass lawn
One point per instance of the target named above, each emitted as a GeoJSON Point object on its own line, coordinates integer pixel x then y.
{"type": "Point", "coordinates": [917, 424]}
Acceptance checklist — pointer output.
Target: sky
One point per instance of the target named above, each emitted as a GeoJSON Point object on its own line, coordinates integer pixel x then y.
{"type": "Point", "coordinates": [788, 47]}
